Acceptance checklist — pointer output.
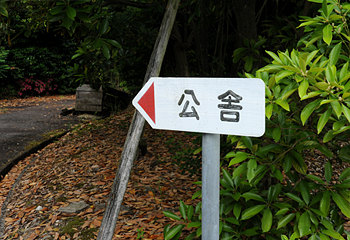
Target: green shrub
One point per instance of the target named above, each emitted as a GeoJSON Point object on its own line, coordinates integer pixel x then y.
{"type": "Point", "coordinates": [266, 191]}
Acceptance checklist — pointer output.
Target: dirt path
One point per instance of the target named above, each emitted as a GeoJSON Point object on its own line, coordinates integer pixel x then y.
{"type": "Point", "coordinates": [24, 121]}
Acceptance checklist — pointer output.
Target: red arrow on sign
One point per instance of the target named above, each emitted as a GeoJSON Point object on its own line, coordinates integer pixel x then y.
{"type": "Point", "coordinates": [147, 103]}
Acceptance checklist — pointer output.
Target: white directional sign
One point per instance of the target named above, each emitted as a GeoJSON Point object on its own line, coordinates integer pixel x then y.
{"type": "Point", "coordinates": [233, 106]}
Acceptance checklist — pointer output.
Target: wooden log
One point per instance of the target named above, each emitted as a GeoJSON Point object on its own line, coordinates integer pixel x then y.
{"type": "Point", "coordinates": [135, 130]}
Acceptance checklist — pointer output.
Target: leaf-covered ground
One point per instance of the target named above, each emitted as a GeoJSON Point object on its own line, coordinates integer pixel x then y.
{"type": "Point", "coordinates": [81, 167]}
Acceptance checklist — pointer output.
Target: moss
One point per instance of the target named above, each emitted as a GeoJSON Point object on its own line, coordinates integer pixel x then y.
{"type": "Point", "coordinates": [44, 137]}
{"type": "Point", "coordinates": [79, 185]}
{"type": "Point", "coordinates": [71, 225]}
{"type": "Point", "coordinates": [88, 234]}
{"type": "Point", "coordinates": [61, 199]}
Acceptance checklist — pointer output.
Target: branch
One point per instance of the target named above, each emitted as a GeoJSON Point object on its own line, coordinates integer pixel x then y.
{"type": "Point", "coordinates": [127, 3]}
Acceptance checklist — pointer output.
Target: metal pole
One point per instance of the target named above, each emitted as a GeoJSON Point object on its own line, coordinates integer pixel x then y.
{"type": "Point", "coordinates": [210, 186]}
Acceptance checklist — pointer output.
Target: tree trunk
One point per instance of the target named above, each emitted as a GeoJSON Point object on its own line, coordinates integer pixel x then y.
{"type": "Point", "coordinates": [179, 48]}
{"type": "Point", "coordinates": [245, 18]}
{"type": "Point", "coordinates": [246, 25]}
{"type": "Point", "coordinates": [135, 130]}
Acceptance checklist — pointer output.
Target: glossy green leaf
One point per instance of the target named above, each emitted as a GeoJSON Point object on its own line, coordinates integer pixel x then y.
{"type": "Point", "coordinates": [294, 197]}
{"type": "Point", "coordinates": [323, 237]}
{"type": "Point", "coordinates": [337, 125]}
{"type": "Point", "coordinates": [194, 224]}
{"type": "Point", "coordinates": [342, 204]}
{"type": "Point", "coordinates": [285, 220]}
{"type": "Point", "coordinates": [197, 194]}
{"type": "Point", "coordinates": [328, 171]}
{"type": "Point", "coordinates": [239, 170]}
{"type": "Point", "coordinates": [173, 231]}
{"type": "Point", "coordinates": [182, 209]}
{"type": "Point", "coordinates": [287, 163]}
{"type": "Point", "coordinates": [240, 156]}
{"type": "Point", "coordinates": [308, 110]}
{"type": "Point", "coordinates": [328, 136]}
{"type": "Point", "coordinates": [315, 178]}
{"type": "Point", "coordinates": [247, 142]}
{"type": "Point", "coordinates": [325, 222]}
{"type": "Point", "coordinates": [334, 55]}
{"type": "Point", "coordinates": [266, 221]}
{"type": "Point", "coordinates": [285, 95]}
{"type": "Point", "coordinates": [344, 174]}
{"type": "Point", "coordinates": [252, 211]}
{"type": "Point", "coordinates": [56, 10]}
{"type": "Point", "coordinates": [268, 111]}
{"type": "Point", "coordinates": [284, 237]}
{"type": "Point", "coordinates": [166, 229]}
{"type": "Point", "coordinates": [3, 10]}
{"type": "Point", "coordinates": [298, 163]}
{"type": "Point", "coordinates": [331, 74]}
{"type": "Point", "coordinates": [276, 134]}
{"type": "Point", "coordinates": [337, 108]}
{"type": "Point", "coordinates": [274, 56]}
{"type": "Point", "coordinates": [325, 202]}
{"type": "Point", "coordinates": [283, 74]}
{"type": "Point", "coordinates": [249, 195]}
{"type": "Point", "coordinates": [305, 191]}
{"type": "Point", "coordinates": [190, 212]}
{"type": "Point", "coordinates": [199, 231]}
{"type": "Point", "coordinates": [327, 34]}
{"type": "Point", "coordinates": [232, 220]}
{"type": "Point", "coordinates": [278, 174]}
{"type": "Point", "coordinates": [237, 210]}
{"type": "Point", "coordinates": [67, 22]}
{"type": "Point", "coordinates": [322, 85]}
{"type": "Point", "coordinates": [114, 43]}
{"type": "Point", "coordinates": [273, 192]}
{"type": "Point", "coordinates": [84, 17]}
{"type": "Point", "coordinates": [71, 13]}
{"type": "Point", "coordinates": [227, 177]}
{"type": "Point", "coordinates": [191, 236]}
{"type": "Point", "coordinates": [248, 63]}
{"type": "Point", "coordinates": [303, 87]}
{"type": "Point", "coordinates": [346, 112]}
{"type": "Point", "coordinates": [171, 215]}
{"type": "Point", "coordinates": [304, 224]}
{"type": "Point", "coordinates": [325, 9]}
{"type": "Point", "coordinates": [283, 103]}
{"type": "Point", "coordinates": [332, 234]}
{"type": "Point", "coordinates": [104, 25]}
{"type": "Point", "coordinates": [323, 120]}
{"type": "Point", "coordinates": [311, 95]}
{"type": "Point", "coordinates": [105, 51]}
{"type": "Point", "coordinates": [318, 212]}
{"type": "Point", "coordinates": [308, 144]}
{"type": "Point", "coordinates": [282, 211]}
{"type": "Point", "coordinates": [251, 167]}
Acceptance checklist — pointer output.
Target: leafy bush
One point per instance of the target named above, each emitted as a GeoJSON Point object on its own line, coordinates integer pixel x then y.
{"type": "Point", "coordinates": [189, 158]}
{"type": "Point", "coordinates": [31, 86]}
{"type": "Point", "coordinates": [268, 193]}
{"type": "Point", "coordinates": [40, 62]}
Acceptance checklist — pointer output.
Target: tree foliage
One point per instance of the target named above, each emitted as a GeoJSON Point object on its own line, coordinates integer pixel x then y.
{"type": "Point", "coordinates": [266, 189]}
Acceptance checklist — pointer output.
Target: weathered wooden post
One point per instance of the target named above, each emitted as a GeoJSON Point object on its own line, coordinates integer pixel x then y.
{"type": "Point", "coordinates": [135, 130]}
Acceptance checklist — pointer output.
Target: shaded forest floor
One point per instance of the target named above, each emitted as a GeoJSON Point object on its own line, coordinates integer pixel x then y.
{"type": "Point", "coordinates": [81, 167]}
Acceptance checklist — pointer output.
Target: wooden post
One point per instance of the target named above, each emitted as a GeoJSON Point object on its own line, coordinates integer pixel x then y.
{"type": "Point", "coordinates": [135, 130]}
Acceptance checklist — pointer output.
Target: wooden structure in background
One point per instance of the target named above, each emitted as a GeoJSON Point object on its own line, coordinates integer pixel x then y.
{"type": "Point", "coordinates": [88, 99]}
